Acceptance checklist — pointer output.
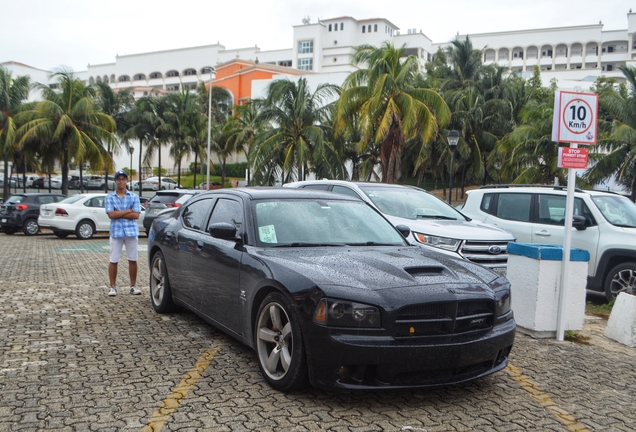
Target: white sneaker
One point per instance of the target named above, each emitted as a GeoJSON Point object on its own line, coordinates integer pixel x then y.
{"type": "Point", "coordinates": [134, 290]}
{"type": "Point", "coordinates": [112, 292]}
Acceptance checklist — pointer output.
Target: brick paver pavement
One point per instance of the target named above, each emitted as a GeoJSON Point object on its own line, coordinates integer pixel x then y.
{"type": "Point", "coordinates": [73, 359]}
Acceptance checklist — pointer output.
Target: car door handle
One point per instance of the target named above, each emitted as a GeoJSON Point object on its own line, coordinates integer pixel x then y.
{"type": "Point", "coordinates": [542, 233]}
{"type": "Point", "coordinates": [199, 244]}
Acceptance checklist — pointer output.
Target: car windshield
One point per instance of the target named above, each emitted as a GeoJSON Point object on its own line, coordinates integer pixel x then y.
{"type": "Point", "coordinates": [72, 199]}
{"type": "Point", "coordinates": [322, 222]}
{"type": "Point", "coordinates": [15, 199]}
{"type": "Point", "coordinates": [618, 210]}
{"type": "Point", "coordinates": [410, 203]}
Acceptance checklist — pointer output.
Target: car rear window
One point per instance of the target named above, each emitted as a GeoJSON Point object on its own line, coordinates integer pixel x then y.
{"type": "Point", "coordinates": [164, 198]}
{"type": "Point", "coordinates": [15, 199]}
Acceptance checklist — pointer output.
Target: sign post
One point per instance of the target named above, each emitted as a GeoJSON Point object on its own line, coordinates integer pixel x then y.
{"type": "Point", "coordinates": [575, 122]}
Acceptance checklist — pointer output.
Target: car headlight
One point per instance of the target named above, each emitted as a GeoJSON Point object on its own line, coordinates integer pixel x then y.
{"type": "Point", "coordinates": [503, 298]}
{"type": "Point", "coordinates": [343, 313]}
{"type": "Point", "coordinates": [445, 243]}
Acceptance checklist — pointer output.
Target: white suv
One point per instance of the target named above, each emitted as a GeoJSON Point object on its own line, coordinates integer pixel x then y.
{"type": "Point", "coordinates": [432, 222]}
{"type": "Point", "coordinates": [604, 224]}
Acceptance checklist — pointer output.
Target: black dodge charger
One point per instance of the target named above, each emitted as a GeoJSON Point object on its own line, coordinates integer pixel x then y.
{"type": "Point", "coordinates": [328, 292]}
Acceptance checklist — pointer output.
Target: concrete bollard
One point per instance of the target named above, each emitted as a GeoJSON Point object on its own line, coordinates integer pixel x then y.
{"type": "Point", "coordinates": [621, 325]}
{"type": "Point", "coordinates": [534, 272]}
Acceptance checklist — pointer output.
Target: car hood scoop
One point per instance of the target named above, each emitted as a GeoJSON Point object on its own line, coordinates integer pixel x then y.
{"type": "Point", "coordinates": [375, 268]}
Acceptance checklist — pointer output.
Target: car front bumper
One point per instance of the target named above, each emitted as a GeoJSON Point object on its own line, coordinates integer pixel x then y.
{"type": "Point", "coordinates": [358, 362]}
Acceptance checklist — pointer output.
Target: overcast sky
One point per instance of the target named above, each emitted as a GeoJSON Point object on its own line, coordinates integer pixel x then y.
{"type": "Point", "coordinates": [50, 33]}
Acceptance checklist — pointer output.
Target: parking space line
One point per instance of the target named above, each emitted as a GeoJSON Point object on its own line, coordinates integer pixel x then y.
{"type": "Point", "coordinates": [171, 403]}
{"type": "Point", "coordinates": [566, 418]}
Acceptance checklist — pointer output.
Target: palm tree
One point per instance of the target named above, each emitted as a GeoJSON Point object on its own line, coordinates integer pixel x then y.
{"type": "Point", "coordinates": [616, 156]}
{"type": "Point", "coordinates": [13, 94]}
{"type": "Point", "coordinates": [116, 105]}
{"type": "Point", "coordinates": [297, 137]}
{"type": "Point", "coordinates": [243, 127]}
{"type": "Point", "coordinates": [528, 154]}
{"type": "Point", "coordinates": [466, 62]}
{"type": "Point", "coordinates": [71, 122]}
{"type": "Point", "coordinates": [141, 121]}
{"type": "Point", "coordinates": [392, 109]}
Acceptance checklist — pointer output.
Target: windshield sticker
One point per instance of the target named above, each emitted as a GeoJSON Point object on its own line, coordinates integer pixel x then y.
{"type": "Point", "coordinates": [267, 234]}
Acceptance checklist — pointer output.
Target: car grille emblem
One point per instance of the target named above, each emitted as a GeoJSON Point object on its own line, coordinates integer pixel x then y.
{"type": "Point", "coordinates": [494, 249]}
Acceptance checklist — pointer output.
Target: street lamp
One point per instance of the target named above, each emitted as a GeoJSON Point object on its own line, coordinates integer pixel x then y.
{"type": "Point", "coordinates": [131, 150]}
{"type": "Point", "coordinates": [211, 70]}
{"type": "Point", "coordinates": [453, 139]}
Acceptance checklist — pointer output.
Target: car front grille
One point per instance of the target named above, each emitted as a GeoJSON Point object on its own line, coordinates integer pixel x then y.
{"type": "Point", "coordinates": [443, 319]}
{"type": "Point", "coordinates": [487, 253]}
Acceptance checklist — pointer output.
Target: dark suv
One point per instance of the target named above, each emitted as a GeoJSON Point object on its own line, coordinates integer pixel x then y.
{"type": "Point", "coordinates": [21, 211]}
{"type": "Point", "coordinates": [166, 199]}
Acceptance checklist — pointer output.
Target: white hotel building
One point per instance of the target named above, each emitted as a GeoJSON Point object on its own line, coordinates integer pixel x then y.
{"type": "Point", "coordinates": [575, 56]}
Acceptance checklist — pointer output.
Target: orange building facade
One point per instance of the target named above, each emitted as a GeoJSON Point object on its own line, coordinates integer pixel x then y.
{"type": "Point", "coordinates": [237, 75]}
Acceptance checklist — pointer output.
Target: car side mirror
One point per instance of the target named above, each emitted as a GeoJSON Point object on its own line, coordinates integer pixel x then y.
{"type": "Point", "coordinates": [578, 222]}
{"type": "Point", "coordinates": [404, 230]}
{"type": "Point", "coordinates": [223, 230]}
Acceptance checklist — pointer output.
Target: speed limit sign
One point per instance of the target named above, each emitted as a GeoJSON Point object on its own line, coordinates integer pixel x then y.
{"type": "Point", "coordinates": [575, 117]}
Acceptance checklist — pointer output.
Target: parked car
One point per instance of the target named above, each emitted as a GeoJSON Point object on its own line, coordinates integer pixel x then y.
{"type": "Point", "coordinates": [433, 223]}
{"type": "Point", "coordinates": [56, 182]}
{"type": "Point", "coordinates": [97, 182]}
{"type": "Point", "coordinates": [152, 183]}
{"type": "Point", "coordinates": [326, 290]}
{"type": "Point", "coordinates": [74, 182]}
{"type": "Point", "coordinates": [82, 214]}
{"type": "Point", "coordinates": [12, 181]}
{"type": "Point", "coordinates": [604, 224]}
{"type": "Point", "coordinates": [20, 212]}
{"type": "Point", "coordinates": [38, 183]}
{"type": "Point", "coordinates": [165, 201]}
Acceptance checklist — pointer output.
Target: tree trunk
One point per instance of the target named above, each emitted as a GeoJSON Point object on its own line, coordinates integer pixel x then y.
{"type": "Point", "coordinates": [391, 154]}
{"type": "Point", "coordinates": [6, 189]}
{"type": "Point", "coordinates": [140, 152]}
{"type": "Point", "coordinates": [159, 170]}
{"type": "Point", "coordinates": [196, 156]}
{"type": "Point", "coordinates": [65, 171]}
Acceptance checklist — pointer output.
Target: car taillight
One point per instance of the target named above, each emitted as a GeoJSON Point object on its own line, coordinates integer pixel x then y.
{"type": "Point", "coordinates": [60, 212]}
{"type": "Point", "coordinates": [172, 204]}
{"type": "Point", "coordinates": [21, 207]}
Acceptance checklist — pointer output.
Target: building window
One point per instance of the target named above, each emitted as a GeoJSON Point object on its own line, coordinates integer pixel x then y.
{"type": "Point", "coordinates": [305, 47]}
{"type": "Point", "coordinates": [285, 63]}
{"type": "Point", "coordinates": [155, 75]}
{"type": "Point", "coordinates": [335, 27]}
{"type": "Point", "coordinates": [306, 63]}
{"type": "Point", "coordinates": [190, 72]}
{"type": "Point", "coordinates": [172, 73]}
{"type": "Point", "coordinates": [375, 28]}
{"type": "Point", "coordinates": [369, 28]}
{"type": "Point", "coordinates": [172, 87]}
{"type": "Point", "coordinates": [329, 27]}
{"type": "Point", "coordinates": [341, 26]}
{"type": "Point", "coordinates": [364, 29]}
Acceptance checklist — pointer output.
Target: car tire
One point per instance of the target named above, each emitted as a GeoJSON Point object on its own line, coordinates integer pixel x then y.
{"type": "Point", "coordinates": [61, 234]}
{"type": "Point", "coordinates": [160, 292]}
{"type": "Point", "coordinates": [621, 278]}
{"type": "Point", "coordinates": [163, 188]}
{"type": "Point", "coordinates": [279, 344]}
{"type": "Point", "coordinates": [30, 227]}
{"type": "Point", "coordinates": [85, 230]}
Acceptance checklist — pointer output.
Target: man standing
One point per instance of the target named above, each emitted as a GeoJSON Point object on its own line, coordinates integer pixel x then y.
{"type": "Point", "coordinates": [123, 208]}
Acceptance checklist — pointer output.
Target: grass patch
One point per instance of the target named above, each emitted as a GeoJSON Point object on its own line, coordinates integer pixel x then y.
{"type": "Point", "coordinates": [573, 336]}
{"type": "Point", "coordinates": [602, 310]}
